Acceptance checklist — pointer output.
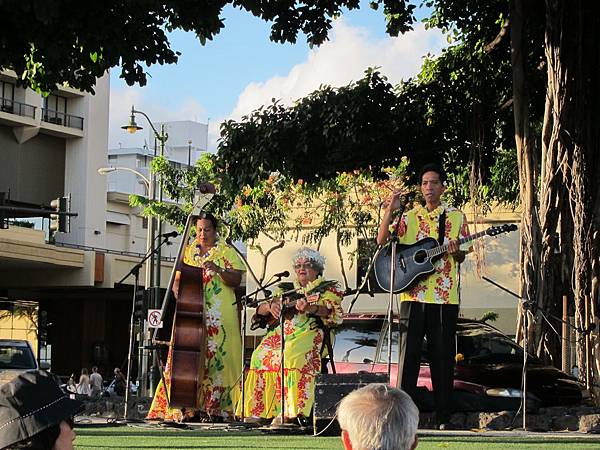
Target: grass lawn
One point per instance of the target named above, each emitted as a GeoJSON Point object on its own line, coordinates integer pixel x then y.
{"type": "Point", "coordinates": [157, 438]}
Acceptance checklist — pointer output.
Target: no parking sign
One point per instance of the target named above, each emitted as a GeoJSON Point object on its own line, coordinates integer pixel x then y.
{"type": "Point", "coordinates": [154, 318]}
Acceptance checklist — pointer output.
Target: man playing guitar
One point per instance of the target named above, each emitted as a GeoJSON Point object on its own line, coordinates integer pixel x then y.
{"type": "Point", "coordinates": [430, 307]}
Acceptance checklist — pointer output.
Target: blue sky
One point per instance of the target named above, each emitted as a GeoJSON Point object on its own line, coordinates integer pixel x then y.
{"type": "Point", "coordinates": [242, 69]}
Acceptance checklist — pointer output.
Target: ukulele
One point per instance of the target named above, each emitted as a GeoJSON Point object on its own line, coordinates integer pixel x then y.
{"type": "Point", "coordinates": [288, 306]}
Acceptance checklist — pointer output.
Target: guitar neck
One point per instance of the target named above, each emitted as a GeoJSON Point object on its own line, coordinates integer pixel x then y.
{"type": "Point", "coordinates": [441, 249]}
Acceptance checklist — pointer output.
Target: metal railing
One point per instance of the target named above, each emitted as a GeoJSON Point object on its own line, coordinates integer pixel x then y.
{"type": "Point", "coordinates": [61, 118]}
{"type": "Point", "coordinates": [13, 107]}
{"type": "Point", "coordinates": [112, 252]}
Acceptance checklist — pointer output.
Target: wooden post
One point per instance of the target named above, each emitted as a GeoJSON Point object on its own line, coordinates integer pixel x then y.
{"type": "Point", "coordinates": [588, 363]}
{"type": "Point", "coordinates": [565, 337]}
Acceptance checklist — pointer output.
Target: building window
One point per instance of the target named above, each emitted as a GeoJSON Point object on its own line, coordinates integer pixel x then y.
{"type": "Point", "coordinates": [7, 91]}
{"type": "Point", "coordinates": [7, 96]}
{"type": "Point", "coordinates": [366, 251]}
{"type": "Point", "coordinates": [56, 103]}
{"type": "Point", "coordinates": [44, 348]}
{"type": "Point", "coordinates": [145, 223]}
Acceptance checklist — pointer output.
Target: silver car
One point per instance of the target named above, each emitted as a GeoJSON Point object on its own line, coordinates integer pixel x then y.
{"type": "Point", "coordinates": [16, 357]}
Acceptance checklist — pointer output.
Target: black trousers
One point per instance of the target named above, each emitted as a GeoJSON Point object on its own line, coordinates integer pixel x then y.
{"type": "Point", "coordinates": [438, 323]}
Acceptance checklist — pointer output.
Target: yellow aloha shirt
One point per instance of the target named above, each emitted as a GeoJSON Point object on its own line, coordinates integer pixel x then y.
{"type": "Point", "coordinates": [441, 286]}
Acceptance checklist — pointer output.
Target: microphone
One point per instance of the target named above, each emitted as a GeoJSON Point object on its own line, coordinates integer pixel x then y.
{"type": "Point", "coordinates": [171, 234]}
{"type": "Point", "coordinates": [283, 274]}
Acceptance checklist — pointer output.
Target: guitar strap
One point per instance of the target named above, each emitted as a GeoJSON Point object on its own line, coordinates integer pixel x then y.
{"type": "Point", "coordinates": [442, 227]}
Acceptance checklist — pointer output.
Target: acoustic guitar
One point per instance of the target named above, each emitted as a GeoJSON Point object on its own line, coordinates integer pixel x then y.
{"type": "Point", "coordinates": [416, 261]}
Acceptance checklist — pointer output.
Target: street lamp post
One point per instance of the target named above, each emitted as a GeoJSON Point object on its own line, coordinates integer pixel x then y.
{"type": "Point", "coordinates": [149, 248]}
{"type": "Point", "coordinates": [154, 284]}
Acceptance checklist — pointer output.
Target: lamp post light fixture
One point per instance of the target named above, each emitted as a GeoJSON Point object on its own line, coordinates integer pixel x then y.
{"type": "Point", "coordinates": [149, 195]}
{"type": "Point", "coordinates": [153, 269]}
{"type": "Point", "coordinates": [107, 170]}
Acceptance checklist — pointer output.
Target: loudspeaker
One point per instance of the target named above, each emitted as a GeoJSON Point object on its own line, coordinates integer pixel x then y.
{"type": "Point", "coordinates": [330, 388]}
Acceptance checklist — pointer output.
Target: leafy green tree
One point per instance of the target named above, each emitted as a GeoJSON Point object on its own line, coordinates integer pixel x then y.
{"type": "Point", "coordinates": [67, 41]}
{"type": "Point", "coordinates": [329, 131]}
{"type": "Point", "coordinates": [346, 205]}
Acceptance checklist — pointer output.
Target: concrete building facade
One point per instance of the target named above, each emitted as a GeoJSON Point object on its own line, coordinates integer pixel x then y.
{"type": "Point", "coordinates": [52, 147]}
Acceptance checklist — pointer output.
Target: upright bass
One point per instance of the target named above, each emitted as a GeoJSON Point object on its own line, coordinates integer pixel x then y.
{"type": "Point", "coordinates": [189, 323]}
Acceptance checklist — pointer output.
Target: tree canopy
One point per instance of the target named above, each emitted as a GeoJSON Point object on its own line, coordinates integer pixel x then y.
{"type": "Point", "coordinates": [511, 99]}
{"type": "Point", "coordinates": [67, 41]}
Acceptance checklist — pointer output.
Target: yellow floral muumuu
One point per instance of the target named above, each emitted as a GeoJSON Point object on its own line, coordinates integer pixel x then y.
{"type": "Point", "coordinates": [302, 361]}
{"type": "Point", "coordinates": [220, 386]}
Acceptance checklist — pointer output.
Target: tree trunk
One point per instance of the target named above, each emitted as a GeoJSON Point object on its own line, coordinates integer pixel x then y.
{"type": "Point", "coordinates": [573, 60]}
{"type": "Point", "coordinates": [529, 255]}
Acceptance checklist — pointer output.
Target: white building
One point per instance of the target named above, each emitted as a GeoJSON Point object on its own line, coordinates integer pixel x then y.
{"type": "Point", "coordinates": [53, 147]}
{"type": "Point", "coordinates": [49, 148]}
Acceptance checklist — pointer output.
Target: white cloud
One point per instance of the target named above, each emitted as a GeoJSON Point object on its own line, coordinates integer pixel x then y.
{"type": "Point", "coordinates": [343, 59]}
{"type": "Point", "coordinates": [337, 62]}
{"type": "Point", "coordinates": [121, 100]}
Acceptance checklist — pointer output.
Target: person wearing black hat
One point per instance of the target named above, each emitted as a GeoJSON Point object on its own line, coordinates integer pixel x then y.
{"type": "Point", "coordinates": [36, 414]}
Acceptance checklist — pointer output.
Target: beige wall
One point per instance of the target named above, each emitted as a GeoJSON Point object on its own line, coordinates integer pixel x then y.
{"type": "Point", "coordinates": [83, 157]}
{"type": "Point", "coordinates": [14, 327]}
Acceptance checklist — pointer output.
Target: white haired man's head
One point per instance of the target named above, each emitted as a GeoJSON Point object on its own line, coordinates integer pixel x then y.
{"type": "Point", "coordinates": [378, 417]}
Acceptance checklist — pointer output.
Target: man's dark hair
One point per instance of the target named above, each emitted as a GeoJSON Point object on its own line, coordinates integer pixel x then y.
{"type": "Point", "coordinates": [433, 167]}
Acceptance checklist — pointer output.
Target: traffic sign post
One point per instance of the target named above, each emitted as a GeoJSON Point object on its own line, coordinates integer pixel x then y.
{"type": "Point", "coordinates": [154, 318]}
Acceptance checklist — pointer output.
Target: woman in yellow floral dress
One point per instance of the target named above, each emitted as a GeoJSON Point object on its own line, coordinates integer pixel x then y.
{"type": "Point", "coordinates": [222, 273]}
{"type": "Point", "coordinates": [303, 344]}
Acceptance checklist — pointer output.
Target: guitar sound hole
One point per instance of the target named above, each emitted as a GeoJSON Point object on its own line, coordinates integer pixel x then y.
{"type": "Point", "coordinates": [420, 256]}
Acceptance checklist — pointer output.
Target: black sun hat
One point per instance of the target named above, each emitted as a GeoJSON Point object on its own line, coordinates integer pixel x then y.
{"type": "Point", "coordinates": [31, 403]}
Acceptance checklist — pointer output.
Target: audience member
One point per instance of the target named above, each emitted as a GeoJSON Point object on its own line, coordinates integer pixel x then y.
{"type": "Point", "coordinates": [71, 385]}
{"type": "Point", "coordinates": [120, 382]}
{"type": "Point", "coordinates": [96, 382]}
{"type": "Point", "coordinates": [378, 417]}
{"type": "Point", "coordinates": [83, 387]}
{"type": "Point", "coordinates": [36, 414]}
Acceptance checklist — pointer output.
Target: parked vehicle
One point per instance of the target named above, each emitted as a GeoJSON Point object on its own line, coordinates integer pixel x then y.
{"type": "Point", "coordinates": [488, 372]}
{"type": "Point", "coordinates": [109, 388]}
{"type": "Point", "coordinates": [16, 357]}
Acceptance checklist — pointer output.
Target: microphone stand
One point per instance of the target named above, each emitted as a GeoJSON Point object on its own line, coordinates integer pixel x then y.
{"type": "Point", "coordinates": [393, 243]}
{"type": "Point", "coordinates": [283, 426]}
{"type": "Point", "coordinates": [245, 302]}
{"type": "Point", "coordinates": [527, 307]}
{"type": "Point", "coordinates": [359, 290]}
{"type": "Point", "coordinates": [135, 271]}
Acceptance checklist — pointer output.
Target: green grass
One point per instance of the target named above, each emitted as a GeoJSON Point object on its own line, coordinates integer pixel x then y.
{"type": "Point", "coordinates": [157, 438]}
